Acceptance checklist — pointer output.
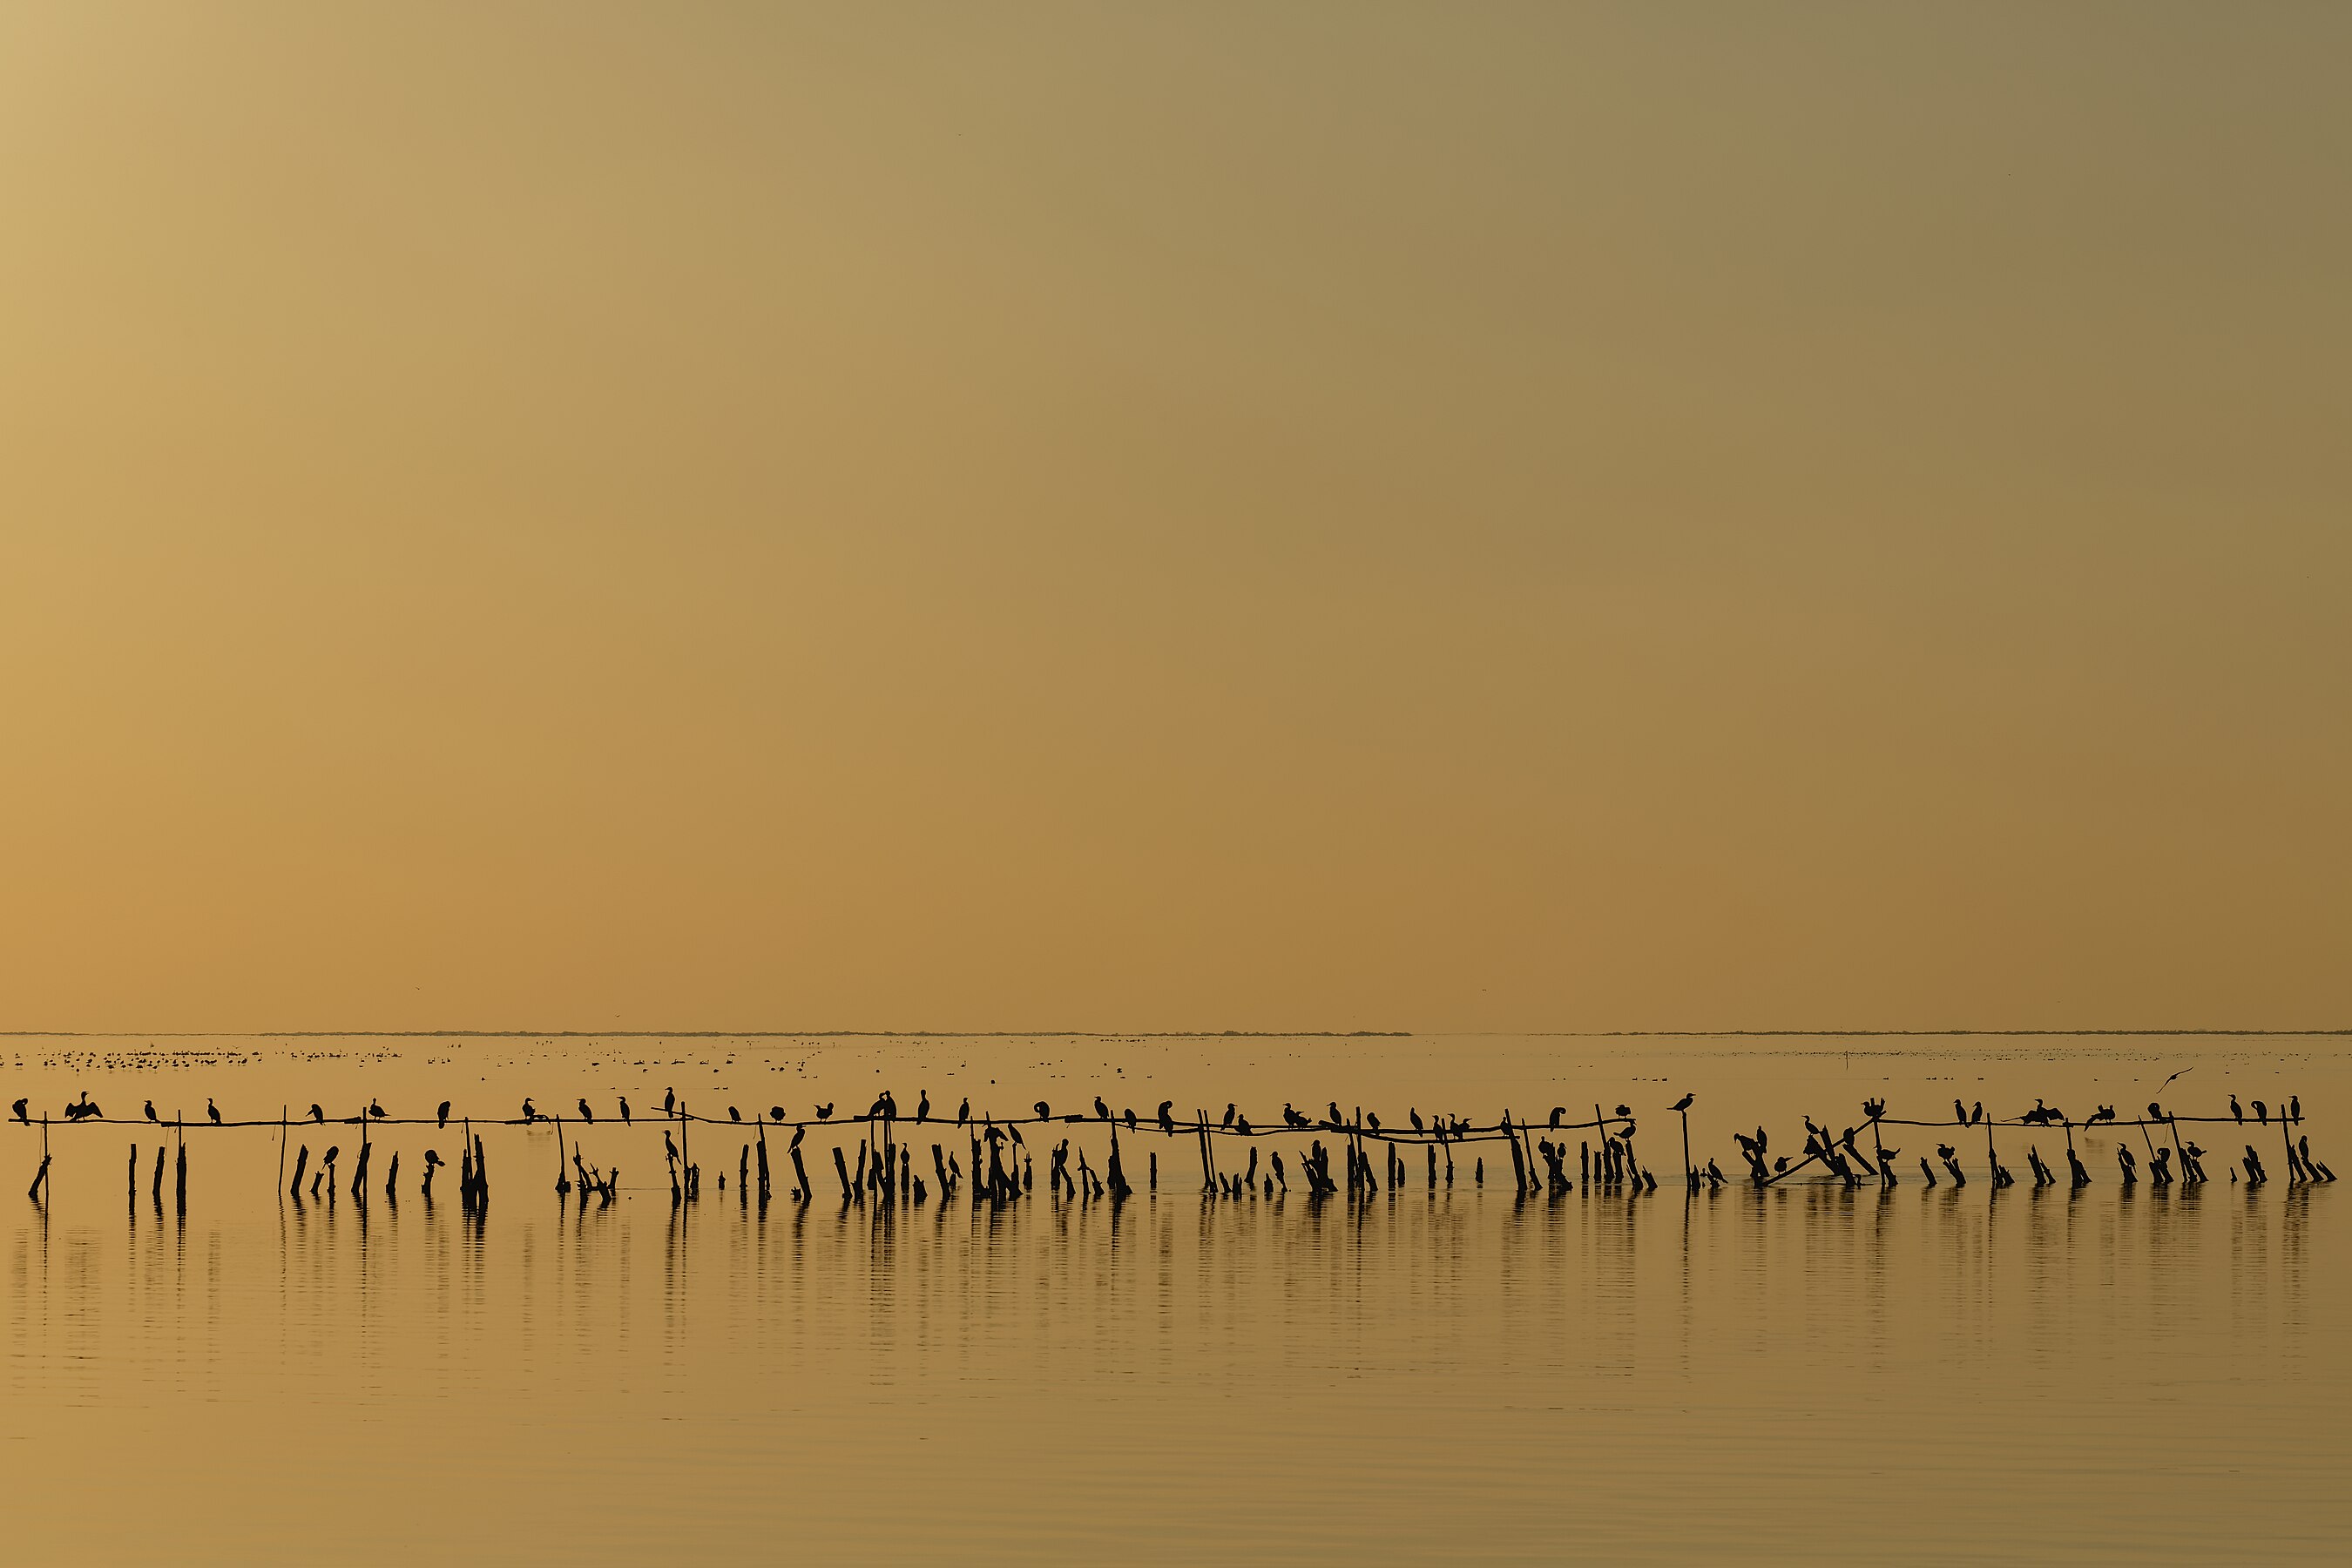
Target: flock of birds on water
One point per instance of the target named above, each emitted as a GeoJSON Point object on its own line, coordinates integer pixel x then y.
{"type": "Point", "coordinates": [884, 1163]}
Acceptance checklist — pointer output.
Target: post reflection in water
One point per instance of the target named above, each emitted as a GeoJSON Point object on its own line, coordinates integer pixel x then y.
{"type": "Point", "coordinates": [2134, 1373]}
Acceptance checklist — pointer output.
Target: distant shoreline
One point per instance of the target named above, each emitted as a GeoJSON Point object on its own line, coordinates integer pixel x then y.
{"type": "Point", "coordinates": [1148, 1034]}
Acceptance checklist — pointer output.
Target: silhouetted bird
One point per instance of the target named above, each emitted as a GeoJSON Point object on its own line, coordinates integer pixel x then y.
{"type": "Point", "coordinates": [1043, 1110]}
{"type": "Point", "coordinates": [528, 1113]}
{"type": "Point", "coordinates": [374, 1111]}
{"type": "Point", "coordinates": [2104, 1113]}
{"type": "Point", "coordinates": [333, 1149]}
{"type": "Point", "coordinates": [1228, 1121]}
{"type": "Point", "coordinates": [2237, 1113]}
{"type": "Point", "coordinates": [1626, 1131]}
{"type": "Point", "coordinates": [1557, 1112]}
{"type": "Point", "coordinates": [775, 1113]}
{"type": "Point", "coordinates": [963, 1113]}
{"type": "Point", "coordinates": [1337, 1119]}
{"type": "Point", "coordinates": [1960, 1114]}
{"type": "Point", "coordinates": [1414, 1117]}
{"type": "Point", "coordinates": [1682, 1104]}
{"type": "Point", "coordinates": [624, 1110]}
{"type": "Point", "coordinates": [1372, 1120]}
{"type": "Point", "coordinates": [317, 1114]}
{"type": "Point", "coordinates": [2262, 1112]}
{"type": "Point", "coordinates": [1624, 1111]}
{"type": "Point", "coordinates": [798, 1133]}
{"type": "Point", "coordinates": [151, 1112]}
{"type": "Point", "coordinates": [212, 1110]}
{"type": "Point", "coordinates": [1944, 1150]}
{"type": "Point", "coordinates": [2294, 1108]}
{"type": "Point", "coordinates": [585, 1114]}
{"type": "Point", "coordinates": [669, 1146]}
{"type": "Point", "coordinates": [19, 1109]}
{"type": "Point", "coordinates": [1781, 1164]}
{"type": "Point", "coordinates": [1167, 1122]}
{"type": "Point", "coordinates": [441, 1119]}
{"type": "Point", "coordinates": [922, 1107]}
{"type": "Point", "coordinates": [733, 1114]}
{"type": "Point", "coordinates": [1976, 1113]}
{"type": "Point", "coordinates": [669, 1101]}
{"type": "Point", "coordinates": [1131, 1118]}
{"type": "Point", "coordinates": [1101, 1111]}
{"type": "Point", "coordinates": [824, 1112]}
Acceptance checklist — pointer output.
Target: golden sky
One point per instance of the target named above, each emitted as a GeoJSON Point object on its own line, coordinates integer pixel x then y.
{"type": "Point", "coordinates": [1326, 516]}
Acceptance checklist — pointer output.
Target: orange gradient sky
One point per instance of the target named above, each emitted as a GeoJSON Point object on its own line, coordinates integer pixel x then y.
{"type": "Point", "coordinates": [1359, 516]}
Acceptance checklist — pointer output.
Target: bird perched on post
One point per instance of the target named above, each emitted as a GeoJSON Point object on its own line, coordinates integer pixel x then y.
{"type": "Point", "coordinates": [624, 1110]}
{"type": "Point", "coordinates": [824, 1112]}
{"type": "Point", "coordinates": [1976, 1113]}
{"type": "Point", "coordinates": [585, 1114]}
{"type": "Point", "coordinates": [669, 1101]}
{"type": "Point", "coordinates": [151, 1112]}
{"type": "Point", "coordinates": [1557, 1112]}
{"type": "Point", "coordinates": [1045, 1111]}
{"type": "Point", "coordinates": [374, 1110]}
{"type": "Point", "coordinates": [1167, 1122]}
{"type": "Point", "coordinates": [669, 1146]}
{"type": "Point", "coordinates": [1960, 1114]}
{"type": "Point", "coordinates": [2294, 1108]}
{"type": "Point", "coordinates": [528, 1114]}
{"type": "Point", "coordinates": [2155, 1112]}
{"type": "Point", "coordinates": [1102, 1111]}
{"type": "Point", "coordinates": [2104, 1113]}
{"type": "Point", "coordinates": [2262, 1111]}
{"type": "Point", "coordinates": [212, 1110]}
{"type": "Point", "coordinates": [18, 1108]}
{"type": "Point", "coordinates": [1372, 1119]}
{"type": "Point", "coordinates": [963, 1113]}
{"type": "Point", "coordinates": [441, 1118]}
{"type": "Point", "coordinates": [1228, 1121]}
{"type": "Point", "coordinates": [733, 1114]}
{"type": "Point", "coordinates": [1682, 1104]}
{"type": "Point", "coordinates": [775, 1113]}
{"type": "Point", "coordinates": [922, 1106]}
{"type": "Point", "coordinates": [1414, 1117]}
{"type": "Point", "coordinates": [2237, 1113]}
{"type": "Point", "coordinates": [316, 1114]}
{"type": "Point", "coordinates": [1129, 1115]}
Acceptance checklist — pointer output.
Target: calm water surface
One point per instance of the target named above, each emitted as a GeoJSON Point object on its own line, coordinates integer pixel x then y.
{"type": "Point", "coordinates": [1944, 1376]}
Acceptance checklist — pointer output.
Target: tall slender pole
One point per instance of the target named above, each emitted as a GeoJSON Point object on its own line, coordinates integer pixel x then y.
{"type": "Point", "coordinates": [282, 1148]}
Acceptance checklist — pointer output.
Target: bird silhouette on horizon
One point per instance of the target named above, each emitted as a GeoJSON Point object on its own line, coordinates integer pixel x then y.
{"type": "Point", "coordinates": [212, 1110]}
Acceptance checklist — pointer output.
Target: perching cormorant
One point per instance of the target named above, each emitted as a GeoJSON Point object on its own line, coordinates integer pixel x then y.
{"type": "Point", "coordinates": [824, 1112]}
{"type": "Point", "coordinates": [317, 1114]}
{"type": "Point", "coordinates": [1682, 1104]}
{"type": "Point", "coordinates": [212, 1110]}
{"type": "Point", "coordinates": [441, 1118]}
{"type": "Point", "coordinates": [585, 1114]}
{"type": "Point", "coordinates": [151, 1112]}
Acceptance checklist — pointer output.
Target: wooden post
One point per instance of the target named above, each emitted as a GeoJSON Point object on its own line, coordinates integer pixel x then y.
{"type": "Point", "coordinates": [1690, 1176]}
{"type": "Point", "coordinates": [281, 1145]}
{"type": "Point", "coordinates": [159, 1177]}
{"type": "Point", "coordinates": [180, 1186]}
{"type": "Point", "coordinates": [134, 1171]}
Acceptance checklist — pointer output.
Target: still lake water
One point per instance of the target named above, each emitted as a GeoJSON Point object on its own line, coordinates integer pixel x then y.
{"type": "Point", "coordinates": [1946, 1374]}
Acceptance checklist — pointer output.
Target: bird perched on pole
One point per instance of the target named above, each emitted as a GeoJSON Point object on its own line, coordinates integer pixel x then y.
{"type": "Point", "coordinates": [585, 1114]}
{"type": "Point", "coordinates": [1682, 1104]}
{"type": "Point", "coordinates": [212, 1110]}
{"type": "Point", "coordinates": [441, 1119]}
